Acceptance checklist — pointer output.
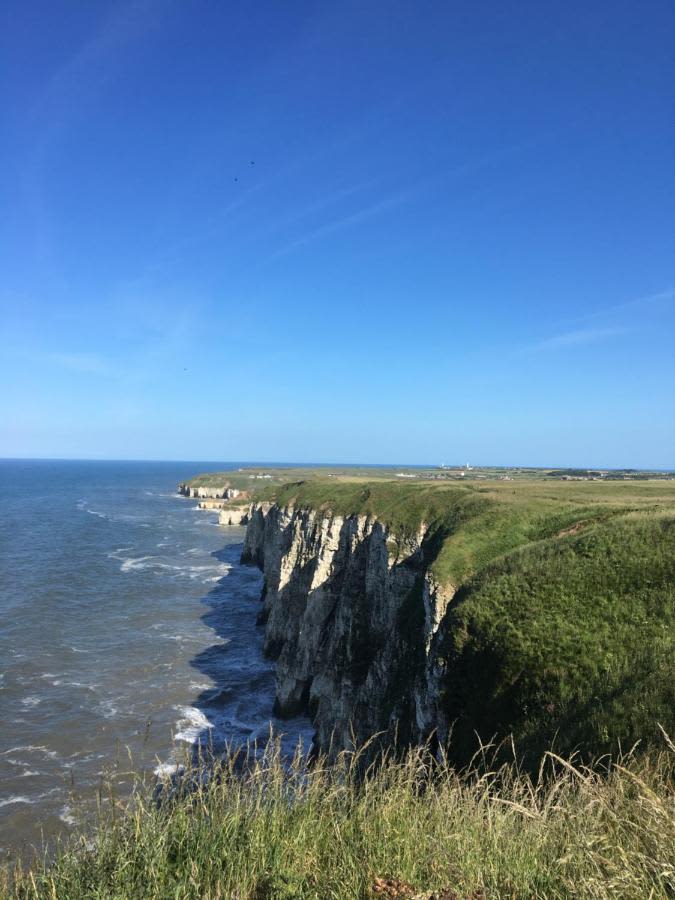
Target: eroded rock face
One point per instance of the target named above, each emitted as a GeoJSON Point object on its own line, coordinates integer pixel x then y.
{"type": "Point", "coordinates": [350, 613]}
{"type": "Point", "coordinates": [208, 493]}
{"type": "Point", "coordinates": [235, 516]}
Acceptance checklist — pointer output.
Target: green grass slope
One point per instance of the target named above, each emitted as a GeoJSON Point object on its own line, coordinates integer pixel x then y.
{"type": "Point", "coordinates": [474, 523]}
{"type": "Point", "coordinates": [568, 640]}
{"type": "Point", "coordinates": [562, 627]}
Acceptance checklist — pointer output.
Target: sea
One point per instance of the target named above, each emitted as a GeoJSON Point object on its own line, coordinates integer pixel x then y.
{"type": "Point", "coordinates": [128, 638]}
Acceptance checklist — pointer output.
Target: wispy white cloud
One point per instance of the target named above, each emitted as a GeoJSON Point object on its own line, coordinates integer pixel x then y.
{"type": "Point", "coordinates": [577, 338]}
{"type": "Point", "coordinates": [94, 62]}
{"type": "Point", "coordinates": [325, 201]}
{"type": "Point", "coordinates": [394, 199]}
{"type": "Point", "coordinates": [342, 222]}
{"type": "Point", "coordinates": [215, 227]}
{"type": "Point", "coordinates": [646, 300]}
{"type": "Point", "coordinates": [69, 90]}
{"type": "Point", "coordinates": [591, 334]}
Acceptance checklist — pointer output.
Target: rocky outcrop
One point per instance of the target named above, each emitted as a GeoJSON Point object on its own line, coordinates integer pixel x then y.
{"type": "Point", "coordinates": [350, 612]}
{"type": "Point", "coordinates": [233, 515]}
{"type": "Point", "coordinates": [223, 492]}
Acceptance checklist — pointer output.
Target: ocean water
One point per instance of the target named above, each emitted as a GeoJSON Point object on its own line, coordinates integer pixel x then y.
{"type": "Point", "coordinates": [127, 634]}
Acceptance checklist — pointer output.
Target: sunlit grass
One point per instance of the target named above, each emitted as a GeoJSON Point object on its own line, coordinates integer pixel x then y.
{"type": "Point", "coordinates": [330, 831]}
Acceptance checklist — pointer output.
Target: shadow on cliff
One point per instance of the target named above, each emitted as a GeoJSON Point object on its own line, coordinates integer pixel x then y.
{"type": "Point", "coordinates": [236, 708]}
{"type": "Point", "coordinates": [351, 644]}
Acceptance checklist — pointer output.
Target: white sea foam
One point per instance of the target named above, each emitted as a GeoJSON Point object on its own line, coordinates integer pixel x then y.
{"type": "Point", "coordinates": [31, 701]}
{"type": "Point", "coordinates": [30, 748]}
{"type": "Point", "coordinates": [167, 769]}
{"type": "Point", "coordinates": [18, 799]}
{"type": "Point", "coordinates": [130, 564]}
{"type": "Point", "coordinates": [107, 709]}
{"type": "Point", "coordinates": [191, 724]}
{"type": "Point", "coordinates": [59, 682]}
{"type": "Point", "coordinates": [82, 505]}
{"type": "Point", "coordinates": [66, 815]}
{"type": "Point", "coordinates": [208, 573]}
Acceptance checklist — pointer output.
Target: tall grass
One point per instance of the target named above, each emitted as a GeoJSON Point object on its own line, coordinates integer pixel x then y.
{"type": "Point", "coordinates": [331, 831]}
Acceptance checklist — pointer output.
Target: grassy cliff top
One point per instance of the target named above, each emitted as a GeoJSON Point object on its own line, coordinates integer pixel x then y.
{"type": "Point", "coordinates": [472, 523]}
{"type": "Point", "coordinates": [472, 516]}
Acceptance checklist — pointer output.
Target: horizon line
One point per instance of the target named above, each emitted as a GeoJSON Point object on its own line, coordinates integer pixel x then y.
{"type": "Point", "coordinates": [350, 465]}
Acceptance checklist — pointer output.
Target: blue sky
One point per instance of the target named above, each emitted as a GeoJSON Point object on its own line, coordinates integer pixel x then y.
{"type": "Point", "coordinates": [346, 232]}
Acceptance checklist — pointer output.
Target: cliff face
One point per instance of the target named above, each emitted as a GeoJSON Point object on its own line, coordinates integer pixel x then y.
{"type": "Point", "coordinates": [232, 515]}
{"type": "Point", "coordinates": [350, 613]}
{"type": "Point", "coordinates": [212, 493]}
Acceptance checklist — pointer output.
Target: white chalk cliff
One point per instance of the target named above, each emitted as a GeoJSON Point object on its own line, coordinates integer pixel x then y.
{"type": "Point", "coordinates": [350, 613]}
{"type": "Point", "coordinates": [211, 493]}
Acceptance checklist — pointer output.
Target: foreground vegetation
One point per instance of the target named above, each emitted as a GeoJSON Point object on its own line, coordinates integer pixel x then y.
{"type": "Point", "coordinates": [409, 828]}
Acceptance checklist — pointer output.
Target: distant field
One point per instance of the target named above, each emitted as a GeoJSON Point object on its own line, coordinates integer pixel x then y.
{"type": "Point", "coordinates": [526, 481]}
{"type": "Point", "coordinates": [255, 479]}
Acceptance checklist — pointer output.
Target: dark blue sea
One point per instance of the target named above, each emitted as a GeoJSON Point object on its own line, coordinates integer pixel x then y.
{"type": "Point", "coordinates": [127, 633]}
